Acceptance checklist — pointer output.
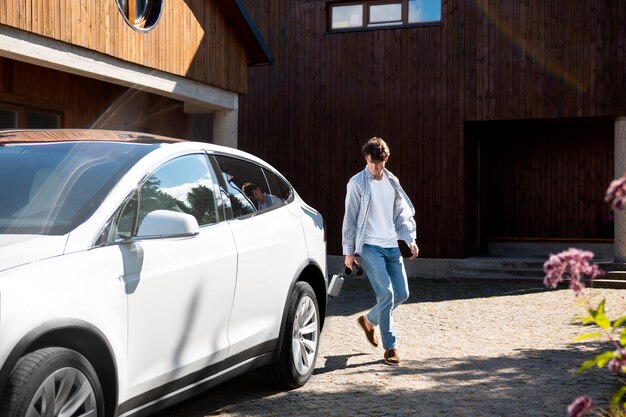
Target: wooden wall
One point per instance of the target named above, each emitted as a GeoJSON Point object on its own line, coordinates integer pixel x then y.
{"type": "Point", "coordinates": [192, 38]}
{"type": "Point", "coordinates": [88, 103]}
{"type": "Point", "coordinates": [489, 60]}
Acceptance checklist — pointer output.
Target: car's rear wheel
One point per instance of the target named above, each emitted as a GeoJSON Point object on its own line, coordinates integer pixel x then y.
{"type": "Point", "coordinates": [53, 382]}
{"type": "Point", "coordinates": [300, 342]}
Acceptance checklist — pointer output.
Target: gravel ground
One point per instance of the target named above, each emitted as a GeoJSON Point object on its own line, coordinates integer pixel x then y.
{"type": "Point", "coordinates": [468, 349]}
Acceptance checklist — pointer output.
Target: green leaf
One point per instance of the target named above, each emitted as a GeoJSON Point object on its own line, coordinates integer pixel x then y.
{"type": "Point", "coordinates": [586, 365]}
{"type": "Point", "coordinates": [617, 396]}
{"type": "Point", "coordinates": [588, 319]}
{"type": "Point", "coordinates": [603, 358]}
{"type": "Point", "coordinates": [622, 337]}
{"type": "Point", "coordinates": [619, 322]}
{"type": "Point", "coordinates": [587, 336]}
{"type": "Point", "coordinates": [603, 321]}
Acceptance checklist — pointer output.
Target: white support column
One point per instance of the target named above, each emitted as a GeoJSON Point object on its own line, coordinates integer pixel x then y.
{"type": "Point", "coordinates": [225, 124]}
{"type": "Point", "coordinates": [619, 165]}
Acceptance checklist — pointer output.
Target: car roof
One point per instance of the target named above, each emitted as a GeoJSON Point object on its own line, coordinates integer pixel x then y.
{"type": "Point", "coordinates": [16, 136]}
{"type": "Point", "coordinates": [70, 135]}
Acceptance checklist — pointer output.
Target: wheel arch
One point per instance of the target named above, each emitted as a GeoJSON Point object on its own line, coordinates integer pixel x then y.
{"type": "Point", "coordinates": [79, 336]}
{"type": "Point", "coordinates": [310, 273]}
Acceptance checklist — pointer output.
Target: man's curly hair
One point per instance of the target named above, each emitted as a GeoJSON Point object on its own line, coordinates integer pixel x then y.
{"type": "Point", "coordinates": [377, 149]}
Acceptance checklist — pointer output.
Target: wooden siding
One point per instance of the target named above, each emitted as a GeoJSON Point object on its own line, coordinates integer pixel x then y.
{"type": "Point", "coordinates": [193, 39]}
{"type": "Point", "coordinates": [88, 103]}
{"type": "Point", "coordinates": [489, 60]}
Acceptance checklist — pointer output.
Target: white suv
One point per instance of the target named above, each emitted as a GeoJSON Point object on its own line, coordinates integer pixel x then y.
{"type": "Point", "coordinates": [137, 270]}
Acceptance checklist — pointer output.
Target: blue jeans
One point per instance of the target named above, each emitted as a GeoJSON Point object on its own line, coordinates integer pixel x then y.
{"type": "Point", "coordinates": [386, 273]}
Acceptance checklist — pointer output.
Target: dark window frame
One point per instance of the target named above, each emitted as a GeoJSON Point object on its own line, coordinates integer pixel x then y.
{"type": "Point", "coordinates": [23, 110]}
{"type": "Point", "coordinates": [369, 26]}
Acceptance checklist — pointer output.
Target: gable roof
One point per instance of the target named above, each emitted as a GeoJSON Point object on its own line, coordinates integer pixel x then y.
{"type": "Point", "coordinates": [237, 14]}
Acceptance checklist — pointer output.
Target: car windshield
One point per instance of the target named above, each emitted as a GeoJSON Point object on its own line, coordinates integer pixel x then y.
{"type": "Point", "coordinates": [51, 188]}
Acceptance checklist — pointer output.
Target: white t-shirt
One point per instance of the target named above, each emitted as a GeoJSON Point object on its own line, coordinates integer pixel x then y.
{"type": "Point", "coordinates": [379, 227]}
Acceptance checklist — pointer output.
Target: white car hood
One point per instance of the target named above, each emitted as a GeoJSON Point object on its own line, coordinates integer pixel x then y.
{"type": "Point", "coordinates": [16, 250]}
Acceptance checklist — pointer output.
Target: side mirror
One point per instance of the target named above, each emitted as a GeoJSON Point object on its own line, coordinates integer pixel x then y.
{"type": "Point", "coordinates": [161, 224]}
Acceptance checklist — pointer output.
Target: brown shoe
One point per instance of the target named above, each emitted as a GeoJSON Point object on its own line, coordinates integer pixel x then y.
{"type": "Point", "coordinates": [370, 334]}
{"type": "Point", "coordinates": [392, 357]}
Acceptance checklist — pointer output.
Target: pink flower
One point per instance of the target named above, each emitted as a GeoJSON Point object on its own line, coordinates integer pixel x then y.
{"type": "Point", "coordinates": [617, 364]}
{"type": "Point", "coordinates": [614, 365]}
{"type": "Point", "coordinates": [616, 193]}
{"type": "Point", "coordinates": [580, 407]}
{"type": "Point", "coordinates": [573, 263]}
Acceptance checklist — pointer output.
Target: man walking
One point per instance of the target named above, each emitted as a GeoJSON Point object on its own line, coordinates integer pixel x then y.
{"type": "Point", "coordinates": [378, 215]}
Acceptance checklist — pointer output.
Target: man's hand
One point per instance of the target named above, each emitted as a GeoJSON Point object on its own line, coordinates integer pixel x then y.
{"type": "Point", "coordinates": [414, 250]}
{"type": "Point", "coordinates": [349, 261]}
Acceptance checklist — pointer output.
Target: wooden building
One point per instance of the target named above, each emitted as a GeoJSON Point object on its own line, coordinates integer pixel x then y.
{"type": "Point", "coordinates": [500, 114]}
{"type": "Point", "coordinates": [174, 67]}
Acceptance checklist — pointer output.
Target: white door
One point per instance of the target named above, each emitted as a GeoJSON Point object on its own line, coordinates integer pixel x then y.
{"type": "Point", "coordinates": [271, 248]}
{"type": "Point", "coordinates": [180, 290]}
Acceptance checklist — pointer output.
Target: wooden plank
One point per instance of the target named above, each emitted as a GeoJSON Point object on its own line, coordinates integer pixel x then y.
{"type": "Point", "coordinates": [99, 26]}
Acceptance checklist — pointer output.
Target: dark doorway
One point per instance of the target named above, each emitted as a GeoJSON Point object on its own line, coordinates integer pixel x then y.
{"type": "Point", "coordinates": [540, 180]}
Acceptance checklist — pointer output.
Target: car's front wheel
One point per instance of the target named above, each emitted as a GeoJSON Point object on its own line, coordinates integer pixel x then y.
{"type": "Point", "coordinates": [55, 382]}
{"type": "Point", "coordinates": [300, 342]}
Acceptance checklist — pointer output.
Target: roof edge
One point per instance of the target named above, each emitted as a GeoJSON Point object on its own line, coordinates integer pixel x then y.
{"type": "Point", "coordinates": [236, 12]}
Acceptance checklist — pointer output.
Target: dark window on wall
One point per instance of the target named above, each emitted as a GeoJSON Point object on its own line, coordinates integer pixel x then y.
{"type": "Point", "coordinates": [42, 120]}
{"type": "Point", "coordinates": [377, 14]}
{"type": "Point", "coordinates": [8, 119]}
{"type": "Point", "coordinates": [22, 117]}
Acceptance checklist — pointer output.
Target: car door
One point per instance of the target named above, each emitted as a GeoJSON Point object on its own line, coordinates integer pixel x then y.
{"type": "Point", "coordinates": [271, 249]}
{"type": "Point", "coordinates": [180, 290]}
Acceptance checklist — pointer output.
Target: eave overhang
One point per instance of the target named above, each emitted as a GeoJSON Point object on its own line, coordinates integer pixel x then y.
{"type": "Point", "coordinates": [237, 15]}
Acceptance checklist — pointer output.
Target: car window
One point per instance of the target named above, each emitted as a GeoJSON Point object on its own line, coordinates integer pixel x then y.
{"type": "Point", "coordinates": [51, 188]}
{"type": "Point", "coordinates": [125, 223]}
{"type": "Point", "coordinates": [278, 186]}
{"type": "Point", "coordinates": [186, 184]}
{"type": "Point", "coordinates": [245, 186]}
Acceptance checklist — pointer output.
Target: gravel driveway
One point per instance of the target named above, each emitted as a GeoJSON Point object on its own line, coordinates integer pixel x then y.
{"type": "Point", "coordinates": [468, 349]}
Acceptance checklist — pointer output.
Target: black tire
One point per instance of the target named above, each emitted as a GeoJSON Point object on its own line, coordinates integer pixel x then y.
{"type": "Point", "coordinates": [66, 373]}
{"type": "Point", "coordinates": [294, 369]}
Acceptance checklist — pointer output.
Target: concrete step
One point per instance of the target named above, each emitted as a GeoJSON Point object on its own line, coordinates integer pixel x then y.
{"type": "Point", "coordinates": [527, 270]}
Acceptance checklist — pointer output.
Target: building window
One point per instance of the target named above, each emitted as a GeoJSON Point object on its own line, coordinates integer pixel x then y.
{"type": "Point", "coordinates": [376, 14]}
{"type": "Point", "coordinates": [140, 14]}
{"type": "Point", "coordinates": [21, 117]}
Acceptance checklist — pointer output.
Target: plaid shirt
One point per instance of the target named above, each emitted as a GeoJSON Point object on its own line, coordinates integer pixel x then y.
{"type": "Point", "coordinates": [358, 195]}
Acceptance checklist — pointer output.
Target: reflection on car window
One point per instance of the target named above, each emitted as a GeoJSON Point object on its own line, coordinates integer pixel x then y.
{"type": "Point", "coordinates": [247, 188]}
{"type": "Point", "coordinates": [125, 223]}
{"type": "Point", "coordinates": [52, 188]}
{"type": "Point", "coordinates": [185, 184]}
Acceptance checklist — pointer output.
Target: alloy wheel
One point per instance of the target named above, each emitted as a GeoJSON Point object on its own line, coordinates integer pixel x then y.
{"type": "Point", "coordinates": [305, 334]}
{"type": "Point", "coordinates": [65, 393]}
